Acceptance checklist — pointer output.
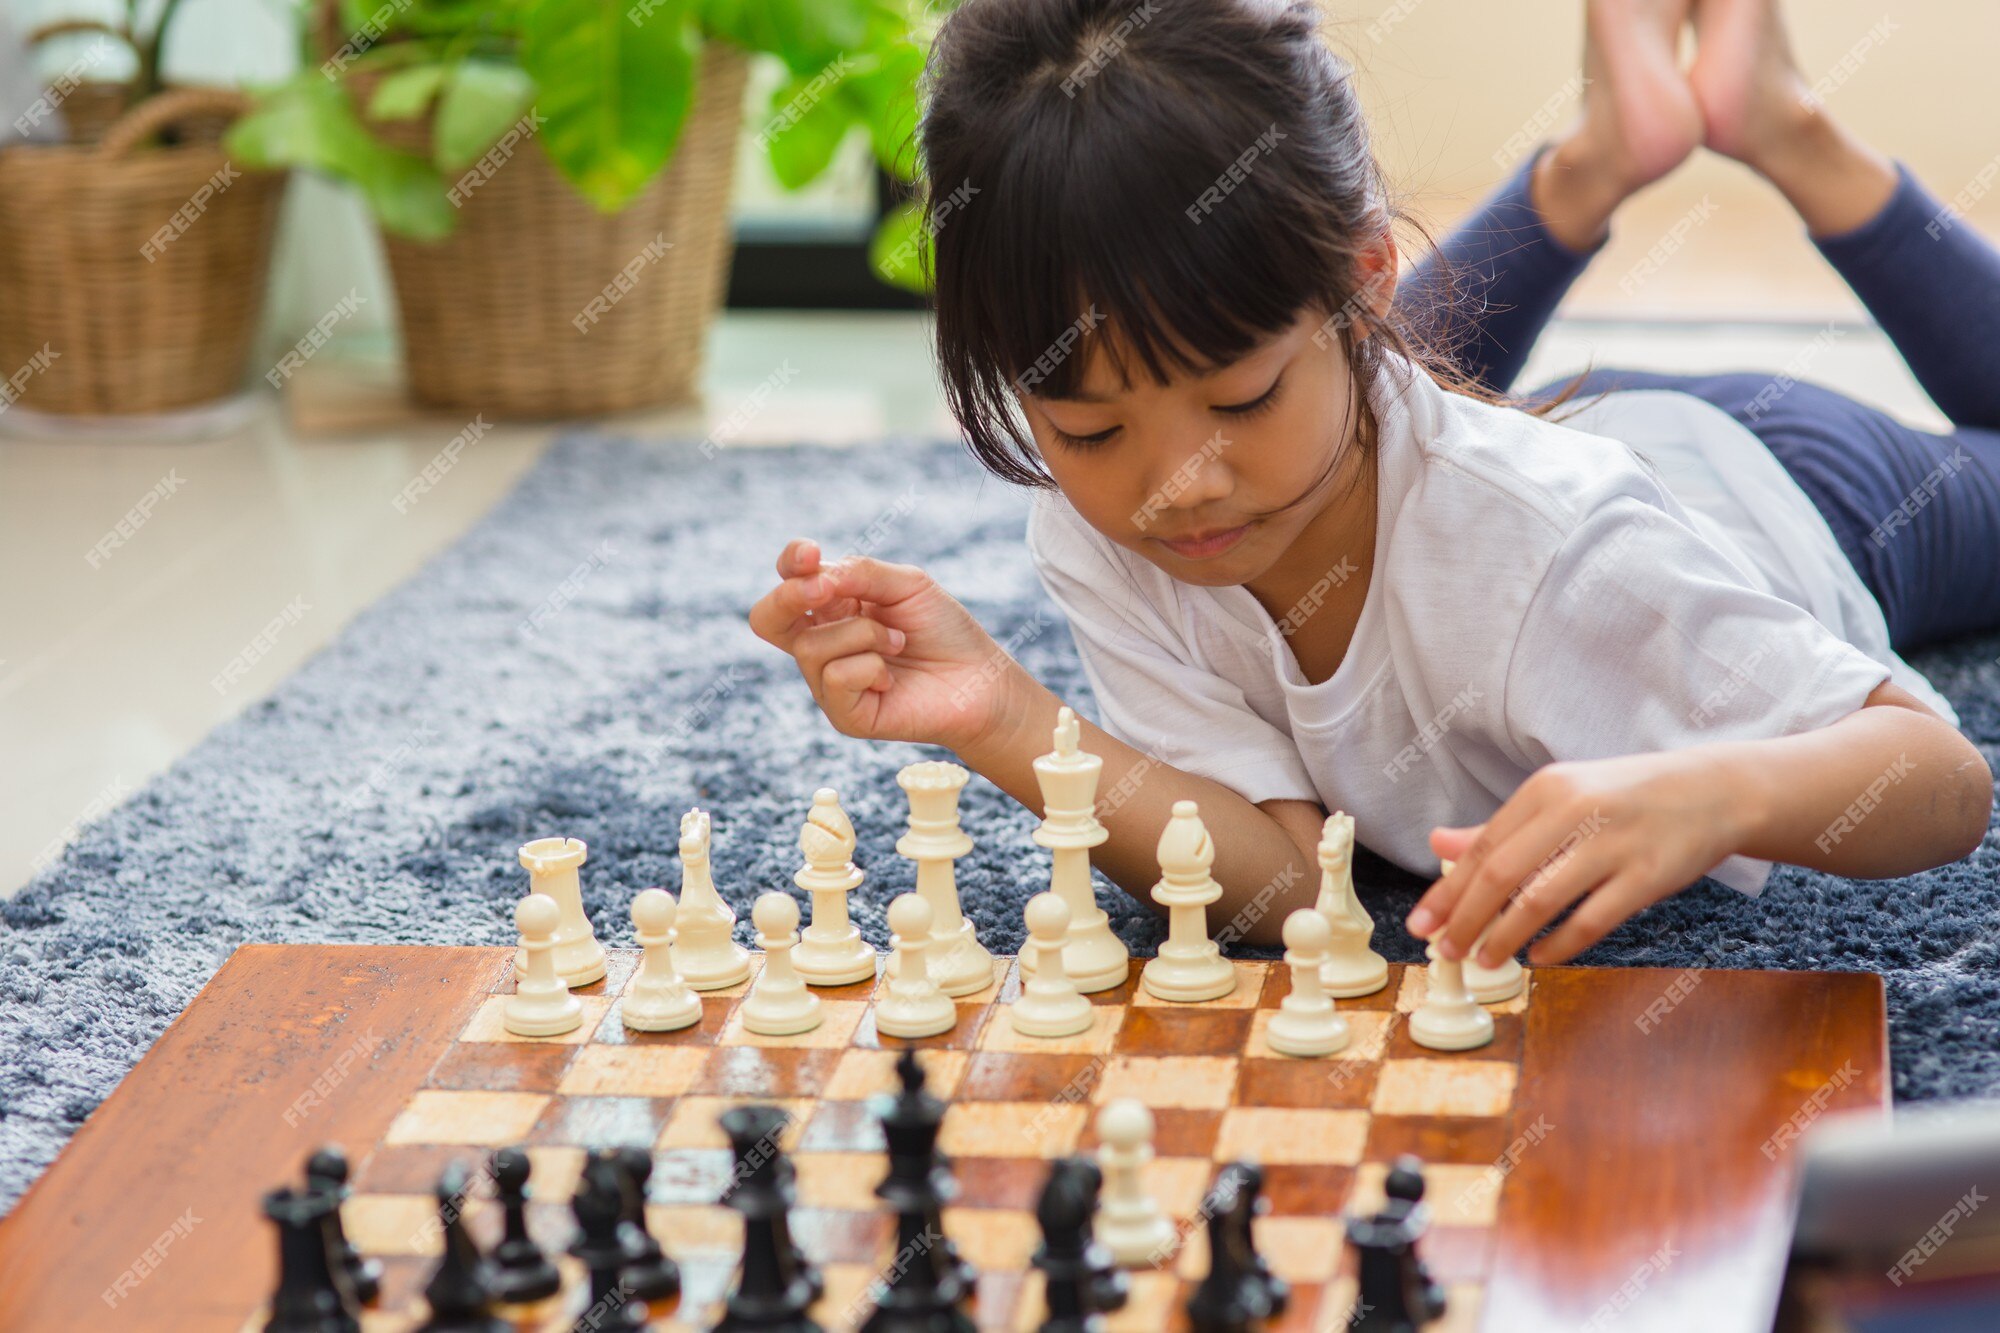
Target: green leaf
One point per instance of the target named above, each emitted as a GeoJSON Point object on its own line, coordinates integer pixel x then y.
{"type": "Point", "coordinates": [807, 35]}
{"type": "Point", "coordinates": [614, 93]}
{"type": "Point", "coordinates": [311, 123]}
{"type": "Point", "coordinates": [406, 94]}
{"type": "Point", "coordinates": [481, 100]}
{"type": "Point", "coordinates": [900, 248]}
{"type": "Point", "coordinates": [883, 88]}
{"type": "Point", "coordinates": [800, 135]}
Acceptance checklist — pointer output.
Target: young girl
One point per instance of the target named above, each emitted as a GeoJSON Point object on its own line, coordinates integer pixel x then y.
{"type": "Point", "coordinates": [1312, 564]}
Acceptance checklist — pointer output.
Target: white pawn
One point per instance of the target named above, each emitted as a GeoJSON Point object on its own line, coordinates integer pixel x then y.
{"type": "Point", "coordinates": [659, 1001]}
{"type": "Point", "coordinates": [541, 1005]}
{"type": "Point", "coordinates": [706, 953]}
{"type": "Point", "coordinates": [1352, 968]}
{"type": "Point", "coordinates": [831, 952]}
{"type": "Point", "coordinates": [1489, 985]}
{"type": "Point", "coordinates": [1050, 1004]}
{"type": "Point", "coordinates": [1130, 1221]}
{"type": "Point", "coordinates": [911, 1003]}
{"type": "Point", "coordinates": [1306, 1023]}
{"type": "Point", "coordinates": [778, 1005]}
{"type": "Point", "coordinates": [552, 865]}
{"type": "Point", "coordinates": [1189, 967]}
{"type": "Point", "coordinates": [1449, 1019]}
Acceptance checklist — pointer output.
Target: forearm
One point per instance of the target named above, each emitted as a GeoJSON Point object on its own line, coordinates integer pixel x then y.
{"type": "Point", "coordinates": [1886, 791]}
{"type": "Point", "coordinates": [1263, 870]}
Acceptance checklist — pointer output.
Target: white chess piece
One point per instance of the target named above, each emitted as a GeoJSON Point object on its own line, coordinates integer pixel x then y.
{"type": "Point", "coordinates": [831, 952]}
{"type": "Point", "coordinates": [1190, 967]}
{"type": "Point", "coordinates": [1307, 1023]}
{"type": "Point", "coordinates": [911, 1004]}
{"type": "Point", "coordinates": [658, 1001]}
{"type": "Point", "coordinates": [541, 1005]}
{"type": "Point", "coordinates": [1095, 958]}
{"type": "Point", "coordinates": [552, 865]}
{"type": "Point", "coordinates": [706, 953]}
{"type": "Point", "coordinates": [1449, 1019]}
{"type": "Point", "coordinates": [959, 963]}
{"type": "Point", "coordinates": [1352, 967]}
{"type": "Point", "coordinates": [1130, 1221]}
{"type": "Point", "coordinates": [1049, 1005]}
{"type": "Point", "coordinates": [1489, 985]}
{"type": "Point", "coordinates": [778, 1005]}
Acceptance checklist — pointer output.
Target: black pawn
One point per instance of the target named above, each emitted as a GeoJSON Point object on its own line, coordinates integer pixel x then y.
{"type": "Point", "coordinates": [522, 1273]}
{"type": "Point", "coordinates": [605, 1244]}
{"type": "Point", "coordinates": [460, 1291]}
{"type": "Point", "coordinates": [1078, 1281]}
{"type": "Point", "coordinates": [1396, 1292]}
{"type": "Point", "coordinates": [773, 1290]}
{"type": "Point", "coordinates": [1235, 1296]}
{"type": "Point", "coordinates": [313, 1294]}
{"type": "Point", "coordinates": [1249, 1204]}
{"type": "Point", "coordinates": [326, 1171]}
{"type": "Point", "coordinates": [651, 1275]}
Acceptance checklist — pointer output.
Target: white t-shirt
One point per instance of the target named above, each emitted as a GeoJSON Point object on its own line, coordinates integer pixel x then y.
{"type": "Point", "coordinates": [1541, 592]}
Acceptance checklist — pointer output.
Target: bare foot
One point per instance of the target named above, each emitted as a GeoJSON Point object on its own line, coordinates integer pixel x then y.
{"type": "Point", "coordinates": [1758, 108]}
{"type": "Point", "coordinates": [1753, 99]}
{"type": "Point", "coordinates": [1640, 119]}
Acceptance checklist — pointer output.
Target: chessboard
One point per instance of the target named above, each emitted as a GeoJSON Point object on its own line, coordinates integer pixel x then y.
{"type": "Point", "coordinates": [1619, 1155]}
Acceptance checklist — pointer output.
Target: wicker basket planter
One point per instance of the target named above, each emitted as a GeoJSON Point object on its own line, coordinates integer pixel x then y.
{"type": "Point", "coordinates": [132, 275]}
{"type": "Point", "coordinates": [537, 305]}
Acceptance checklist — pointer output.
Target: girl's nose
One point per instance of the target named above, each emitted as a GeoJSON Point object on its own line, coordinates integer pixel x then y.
{"type": "Point", "coordinates": [1188, 474]}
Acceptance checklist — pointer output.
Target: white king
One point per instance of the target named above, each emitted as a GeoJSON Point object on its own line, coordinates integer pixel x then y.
{"type": "Point", "coordinates": [1095, 958]}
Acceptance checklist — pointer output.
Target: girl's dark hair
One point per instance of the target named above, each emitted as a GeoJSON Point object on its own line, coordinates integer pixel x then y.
{"type": "Point", "coordinates": [1190, 173]}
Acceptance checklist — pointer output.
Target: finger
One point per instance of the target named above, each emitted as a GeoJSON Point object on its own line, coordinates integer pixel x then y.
{"type": "Point", "coordinates": [869, 580]}
{"type": "Point", "coordinates": [1597, 916]}
{"type": "Point", "coordinates": [822, 645]}
{"type": "Point", "coordinates": [1553, 886]}
{"type": "Point", "coordinates": [848, 679]}
{"type": "Point", "coordinates": [1501, 872]}
{"type": "Point", "coordinates": [795, 605]}
{"type": "Point", "coordinates": [1450, 844]}
{"type": "Point", "coordinates": [1435, 908]}
{"type": "Point", "coordinates": [799, 558]}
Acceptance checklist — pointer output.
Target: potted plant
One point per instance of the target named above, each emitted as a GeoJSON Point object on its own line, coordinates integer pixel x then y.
{"type": "Point", "coordinates": [552, 177]}
{"type": "Point", "coordinates": [133, 258]}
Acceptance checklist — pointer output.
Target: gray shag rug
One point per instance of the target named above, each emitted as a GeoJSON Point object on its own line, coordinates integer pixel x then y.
{"type": "Point", "coordinates": [579, 664]}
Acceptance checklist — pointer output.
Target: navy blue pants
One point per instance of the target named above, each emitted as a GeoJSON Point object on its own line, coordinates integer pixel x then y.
{"type": "Point", "coordinates": [1918, 514]}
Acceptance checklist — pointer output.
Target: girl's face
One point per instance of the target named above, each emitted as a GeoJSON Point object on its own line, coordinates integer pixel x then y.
{"type": "Point", "coordinates": [1211, 477]}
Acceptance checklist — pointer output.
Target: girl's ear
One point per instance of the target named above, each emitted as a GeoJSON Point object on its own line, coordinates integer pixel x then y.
{"type": "Point", "coordinates": [1378, 267]}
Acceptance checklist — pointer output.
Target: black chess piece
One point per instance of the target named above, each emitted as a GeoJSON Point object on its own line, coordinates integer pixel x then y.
{"type": "Point", "coordinates": [326, 1170]}
{"type": "Point", "coordinates": [522, 1272]}
{"type": "Point", "coordinates": [651, 1274]}
{"type": "Point", "coordinates": [460, 1292]}
{"type": "Point", "coordinates": [313, 1293]}
{"type": "Point", "coordinates": [1397, 1293]}
{"type": "Point", "coordinates": [1248, 1206]}
{"type": "Point", "coordinates": [919, 1104]}
{"type": "Point", "coordinates": [1077, 1289]}
{"type": "Point", "coordinates": [1235, 1296]}
{"type": "Point", "coordinates": [927, 1283]}
{"type": "Point", "coordinates": [1110, 1288]}
{"type": "Point", "coordinates": [773, 1292]}
{"type": "Point", "coordinates": [605, 1244]}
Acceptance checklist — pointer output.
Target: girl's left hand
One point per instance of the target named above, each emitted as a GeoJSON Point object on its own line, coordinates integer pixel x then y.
{"type": "Point", "coordinates": [1610, 835]}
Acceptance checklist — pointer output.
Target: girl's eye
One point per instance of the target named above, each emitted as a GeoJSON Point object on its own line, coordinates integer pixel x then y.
{"type": "Point", "coordinates": [1261, 403]}
{"type": "Point", "coordinates": [1081, 441]}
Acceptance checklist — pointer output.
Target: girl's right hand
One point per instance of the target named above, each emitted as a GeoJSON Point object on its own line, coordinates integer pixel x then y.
{"type": "Point", "coordinates": [887, 653]}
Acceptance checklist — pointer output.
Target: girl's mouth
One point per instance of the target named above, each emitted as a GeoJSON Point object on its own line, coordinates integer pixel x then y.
{"type": "Point", "coordinates": [1203, 546]}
